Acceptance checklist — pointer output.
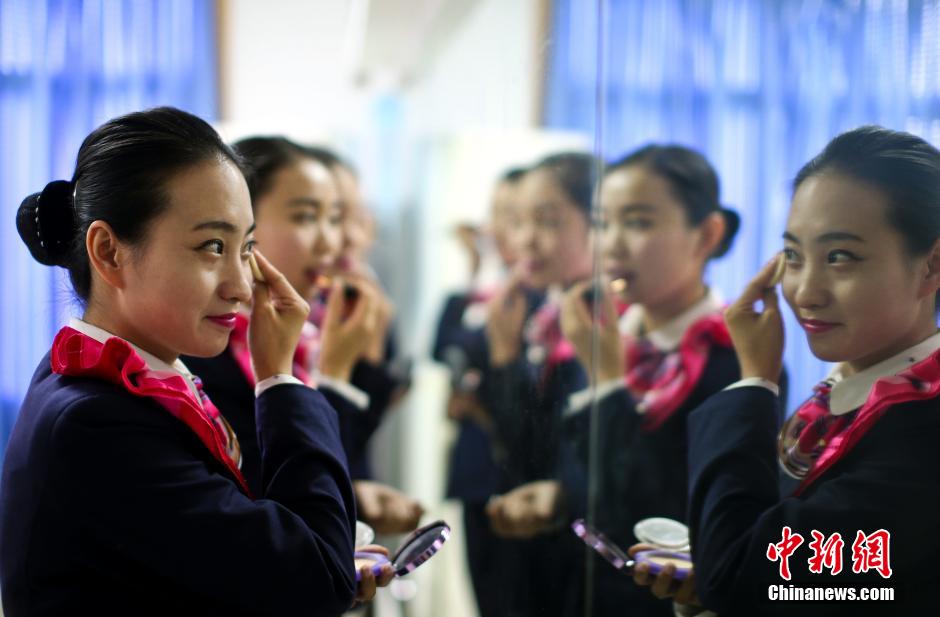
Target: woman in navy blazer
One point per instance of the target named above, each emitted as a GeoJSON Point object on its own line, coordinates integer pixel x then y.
{"type": "Point", "coordinates": [661, 223]}
{"type": "Point", "coordinates": [862, 272]}
{"type": "Point", "coordinates": [121, 489]}
{"type": "Point", "coordinates": [531, 370]}
{"type": "Point", "coordinates": [300, 216]}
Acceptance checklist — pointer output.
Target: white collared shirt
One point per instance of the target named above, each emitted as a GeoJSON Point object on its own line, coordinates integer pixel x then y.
{"type": "Point", "coordinates": [850, 392]}
{"type": "Point", "coordinates": [156, 364]}
{"type": "Point", "coordinates": [666, 338]}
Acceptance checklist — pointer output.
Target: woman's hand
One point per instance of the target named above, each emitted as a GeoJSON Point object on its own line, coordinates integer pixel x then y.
{"type": "Point", "coordinates": [345, 340]}
{"type": "Point", "coordinates": [385, 509]}
{"type": "Point", "coordinates": [466, 405]}
{"type": "Point", "coordinates": [505, 316]}
{"type": "Point", "coordinates": [579, 328]}
{"type": "Point", "coordinates": [278, 313]}
{"type": "Point", "coordinates": [663, 585]}
{"type": "Point", "coordinates": [469, 236]}
{"type": "Point", "coordinates": [758, 336]}
{"type": "Point", "coordinates": [385, 310]}
{"type": "Point", "coordinates": [526, 511]}
{"type": "Point", "coordinates": [368, 581]}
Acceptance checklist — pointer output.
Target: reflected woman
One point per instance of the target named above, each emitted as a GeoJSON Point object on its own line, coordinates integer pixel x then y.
{"type": "Point", "coordinates": [533, 370]}
{"type": "Point", "coordinates": [862, 250]}
{"type": "Point", "coordinates": [662, 349]}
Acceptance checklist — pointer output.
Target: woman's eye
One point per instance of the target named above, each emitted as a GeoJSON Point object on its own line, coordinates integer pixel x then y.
{"type": "Point", "coordinates": [840, 256]}
{"type": "Point", "coordinates": [213, 246]}
{"type": "Point", "coordinates": [249, 248]}
{"type": "Point", "coordinates": [790, 255]}
{"type": "Point", "coordinates": [638, 223]}
{"type": "Point", "coordinates": [305, 217]}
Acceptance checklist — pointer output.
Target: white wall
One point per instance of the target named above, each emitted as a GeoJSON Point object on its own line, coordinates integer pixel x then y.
{"type": "Point", "coordinates": [287, 67]}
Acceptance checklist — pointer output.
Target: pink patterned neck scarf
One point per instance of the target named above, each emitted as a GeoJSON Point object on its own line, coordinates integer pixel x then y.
{"type": "Point", "coordinates": [813, 439]}
{"type": "Point", "coordinates": [78, 355]}
{"type": "Point", "coordinates": [545, 343]}
{"type": "Point", "coordinates": [661, 381]}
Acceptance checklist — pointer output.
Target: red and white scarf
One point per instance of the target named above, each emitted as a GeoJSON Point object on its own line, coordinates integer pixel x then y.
{"type": "Point", "coordinates": [78, 355]}
{"type": "Point", "coordinates": [664, 366]}
{"type": "Point", "coordinates": [661, 381]}
{"type": "Point", "coordinates": [814, 439]}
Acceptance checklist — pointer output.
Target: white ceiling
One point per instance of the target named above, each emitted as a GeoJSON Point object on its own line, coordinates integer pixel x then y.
{"type": "Point", "coordinates": [393, 40]}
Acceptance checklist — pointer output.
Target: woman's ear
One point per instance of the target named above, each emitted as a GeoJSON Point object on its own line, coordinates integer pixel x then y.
{"type": "Point", "coordinates": [711, 233]}
{"type": "Point", "coordinates": [107, 255]}
{"type": "Point", "coordinates": [931, 281]}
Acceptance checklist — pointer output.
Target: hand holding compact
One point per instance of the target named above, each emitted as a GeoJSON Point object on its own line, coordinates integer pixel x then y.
{"type": "Point", "coordinates": [664, 584]}
{"type": "Point", "coordinates": [369, 574]}
{"type": "Point", "coordinates": [385, 509]}
{"type": "Point", "coordinates": [526, 511]}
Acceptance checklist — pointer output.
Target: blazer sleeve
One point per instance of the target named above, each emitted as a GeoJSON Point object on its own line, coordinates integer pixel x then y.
{"type": "Point", "coordinates": [735, 512]}
{"type": "Point", "coordinates": [131, 477]}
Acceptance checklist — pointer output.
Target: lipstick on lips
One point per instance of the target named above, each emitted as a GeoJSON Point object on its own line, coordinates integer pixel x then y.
{"type": "Point", "coordinates": [226, 321]}
{"type": "Point", "coordinates": [815, 326]}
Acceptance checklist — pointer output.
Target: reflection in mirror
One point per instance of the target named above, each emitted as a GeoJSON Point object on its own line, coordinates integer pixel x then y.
{"type": "Point", "coordinates": [517, 224]}
{"type": "Point", "coordinates": [747, 93]}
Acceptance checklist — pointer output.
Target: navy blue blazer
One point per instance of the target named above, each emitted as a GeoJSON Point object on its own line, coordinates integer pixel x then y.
{"type": "Point", "coordinates": [887, 481]}
{"type": "Point", "coordinates": [526, 402]}
{"type": "Point", "coordinates": [527, 408]}
{"type": "Point", "coordinates": [639, 474]}
{"type": "Point", "coordinates": [224, 382]}
{"type": "Point", "coordinates": [472, 474]}
{"type": "Point", "coordinates": [109, 505]}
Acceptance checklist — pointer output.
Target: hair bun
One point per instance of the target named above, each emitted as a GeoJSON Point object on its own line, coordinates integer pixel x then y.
{"type": "Point", "coordinates": [46, 223]}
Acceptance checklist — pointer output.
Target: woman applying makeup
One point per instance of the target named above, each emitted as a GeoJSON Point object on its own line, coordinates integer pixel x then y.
{"type": "Point", "coordinates": [661, 223]}
{"type": "Point", "coordinates": [532, 369]}
{"type": "Point", "coordinates": [299, 222]}
{"type": "Point", "coordinates": [862, 250]}
{"type": "Point", "coordinates": [460, 345]}
{"type": "Point", "coordinates": [121, 492]}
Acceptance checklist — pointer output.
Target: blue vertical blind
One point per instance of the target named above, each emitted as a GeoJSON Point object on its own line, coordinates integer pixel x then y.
{"type": "Point", "coordinates": [758, 86]}
{"type": "Point", "coordinates": [66, 66]}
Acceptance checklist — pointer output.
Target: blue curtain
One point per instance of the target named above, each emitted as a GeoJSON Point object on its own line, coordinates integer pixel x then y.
{"type": "Point", "coordinates": [757, 86]}
{"type": "Point", "coordinates": [66, 66]}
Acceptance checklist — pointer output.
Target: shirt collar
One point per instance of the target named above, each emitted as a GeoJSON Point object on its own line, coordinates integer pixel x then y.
{"type": "Point", "coordinates": [153, 363]}
{"type": "Point", "coordinates": [669, 335]}
{"type": "Point", "coordinates": [851, 392]}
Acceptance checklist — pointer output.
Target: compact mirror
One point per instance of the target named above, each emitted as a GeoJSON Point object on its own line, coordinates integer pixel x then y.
{"type": "Point", "coordinates": [422, 544]}
{"type": "Point", "coordinates": [656, 559]}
